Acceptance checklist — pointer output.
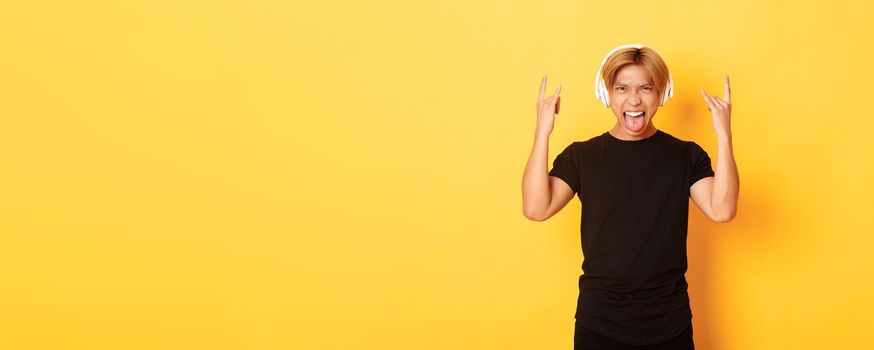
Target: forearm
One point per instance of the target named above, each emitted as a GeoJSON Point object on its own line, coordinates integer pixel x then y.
{"type": "Point", "coordinates": [726, 184]}
{"type": "Point", "coordinates": [535, 180]}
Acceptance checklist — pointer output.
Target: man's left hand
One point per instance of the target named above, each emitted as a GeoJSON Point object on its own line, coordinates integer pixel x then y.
{"type": "Point", "coordinates": [721, 110]}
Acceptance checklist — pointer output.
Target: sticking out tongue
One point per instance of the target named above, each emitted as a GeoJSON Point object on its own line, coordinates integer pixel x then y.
{"type": "Point", "coordinates": [634, 123]}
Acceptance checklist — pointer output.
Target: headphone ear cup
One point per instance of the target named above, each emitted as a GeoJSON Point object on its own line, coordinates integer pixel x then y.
{"type": "Point", "coordinates": [597, 90]}
{"type": "Point", "coordinates": [667, 92]}
{"type": "Point", "coordinates": [670, 87]}
{"type": "Point", "coordinates": [605, 96]}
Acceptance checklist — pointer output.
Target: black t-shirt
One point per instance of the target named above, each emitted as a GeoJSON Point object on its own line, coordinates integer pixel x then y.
{"type": "Point", "coordinates": [635, 212]}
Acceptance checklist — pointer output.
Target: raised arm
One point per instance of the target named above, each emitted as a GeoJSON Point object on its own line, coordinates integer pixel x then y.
{"type": "Point", "coordinates": [543, 195]}
{"type": "Point", "coordinates": [717, 197]}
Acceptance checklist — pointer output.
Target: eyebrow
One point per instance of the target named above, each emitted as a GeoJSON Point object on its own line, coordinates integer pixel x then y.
{"type": "Point", "coordinates": [625, 83]}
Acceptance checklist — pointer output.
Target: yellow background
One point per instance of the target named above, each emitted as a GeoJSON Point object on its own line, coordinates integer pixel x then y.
{"type": "Point", "coordinates": [346, 175]}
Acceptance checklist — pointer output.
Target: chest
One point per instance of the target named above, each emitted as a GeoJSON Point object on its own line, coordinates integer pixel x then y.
{"type": "Point", "coordinates": [635, 175]}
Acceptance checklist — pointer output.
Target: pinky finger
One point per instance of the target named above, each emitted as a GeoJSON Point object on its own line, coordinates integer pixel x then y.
{"type": "Point", "coordinates": [710, 105]}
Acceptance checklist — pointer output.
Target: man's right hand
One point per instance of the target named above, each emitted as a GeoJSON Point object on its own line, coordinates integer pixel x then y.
{"type": "Point", "coordinates": [547, 108]}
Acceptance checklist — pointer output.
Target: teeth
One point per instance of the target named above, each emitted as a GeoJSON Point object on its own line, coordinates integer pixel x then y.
{"type": "Point", "coordinates": [633, 114]}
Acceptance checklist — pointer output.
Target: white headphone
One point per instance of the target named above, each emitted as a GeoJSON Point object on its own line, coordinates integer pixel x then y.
{"type": "Point", "coordinates": [602, 93]}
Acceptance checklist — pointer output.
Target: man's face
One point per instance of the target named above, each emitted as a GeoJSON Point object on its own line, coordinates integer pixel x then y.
{"type": "Point", "coordinates": [633, 92]}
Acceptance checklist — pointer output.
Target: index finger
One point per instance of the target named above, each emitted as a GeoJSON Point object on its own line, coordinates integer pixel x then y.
{"type": "Point", "coordinates": [727, 96]}
{"type": "Point", "coordinates": [543, 87]}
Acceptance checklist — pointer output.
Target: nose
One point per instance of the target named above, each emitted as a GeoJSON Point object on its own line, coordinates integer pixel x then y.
{"type": "Point", "coordinates": [634, 98]}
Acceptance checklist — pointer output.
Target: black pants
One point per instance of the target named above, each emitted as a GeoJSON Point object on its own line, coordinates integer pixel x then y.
{"type": "Point", "coordinates": [585, 339]}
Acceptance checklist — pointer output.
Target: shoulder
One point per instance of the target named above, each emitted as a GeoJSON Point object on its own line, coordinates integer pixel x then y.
{"type": "Point", "coordinates": [668, 138]}
{"type": "Point", "coordinates": [579, 145]}
{"type": "Point", "coordinates": [577, 149]}
{"type": "Point", "coordinates": [689, 146]}
{"type": "Point", "coordinates": [590, 142]}
{"type": "Point", "coordinates": [571, 147]}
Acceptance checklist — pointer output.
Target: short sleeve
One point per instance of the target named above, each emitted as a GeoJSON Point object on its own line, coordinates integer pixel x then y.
{"type": "Point", "coordinates": [700, 164]}
{"type": "Point", "coordinates": [565, 167]}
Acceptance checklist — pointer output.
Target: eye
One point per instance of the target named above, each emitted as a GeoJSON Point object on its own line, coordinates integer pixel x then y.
{"type": "Point", "coordinates": [621, 88]}
{"type": "Point", "coordinates": [647, 88]}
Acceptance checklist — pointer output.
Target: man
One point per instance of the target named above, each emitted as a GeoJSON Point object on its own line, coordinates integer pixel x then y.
{"type": "Point", "coordinates": [634, 182]}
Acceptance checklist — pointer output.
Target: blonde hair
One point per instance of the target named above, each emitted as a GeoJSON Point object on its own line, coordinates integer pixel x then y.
{"type": "Point", "coordinates": [644, 57]}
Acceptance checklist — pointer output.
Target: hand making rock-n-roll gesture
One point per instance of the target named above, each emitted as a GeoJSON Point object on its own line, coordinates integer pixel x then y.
{"type": "Point", "coordinates": [547, 108]}
{"type": "Point", "coordinates": [721, 110]}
